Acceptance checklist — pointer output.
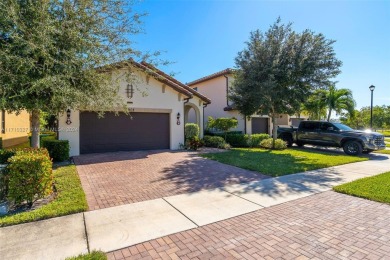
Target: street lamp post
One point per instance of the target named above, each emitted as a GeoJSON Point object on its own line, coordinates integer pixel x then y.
{"type": "Point", "coordinates": [372, 87]}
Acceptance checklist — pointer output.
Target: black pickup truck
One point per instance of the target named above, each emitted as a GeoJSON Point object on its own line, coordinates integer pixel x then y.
{"type": "Point", "coordinates": [324, 133]}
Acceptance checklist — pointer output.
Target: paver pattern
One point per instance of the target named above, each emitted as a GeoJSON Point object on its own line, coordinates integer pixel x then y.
{"type": "Point", "coordinates": [322, 226]}
{"type": "Point", "coordinates": [113, 179]}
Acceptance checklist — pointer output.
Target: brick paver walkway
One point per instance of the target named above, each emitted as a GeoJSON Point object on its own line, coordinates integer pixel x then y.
{"type": "Point", "coordinates": [113, 179]}
{"type": "Point", "coordinates": [323, 226]}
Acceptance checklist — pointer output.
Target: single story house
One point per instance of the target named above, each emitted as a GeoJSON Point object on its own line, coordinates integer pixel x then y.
{"type": "Point", "coordinates": [14, 128]}
{"type": "Point", "coordinates": [216, 87]}
{"type": "Point", "coordinates": [158, 106]}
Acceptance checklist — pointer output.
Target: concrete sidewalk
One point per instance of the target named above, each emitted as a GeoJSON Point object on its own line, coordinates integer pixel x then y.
{"type": "Point", "coordinates": [118, 227]}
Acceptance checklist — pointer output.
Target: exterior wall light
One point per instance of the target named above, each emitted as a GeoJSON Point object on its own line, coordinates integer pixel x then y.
{"type": "Point", "coordinates": [178, 119]}
{"type": "Point", "coordinates": [68, 122]}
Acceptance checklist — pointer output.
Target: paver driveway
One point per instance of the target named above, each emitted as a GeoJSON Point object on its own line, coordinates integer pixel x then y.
{"type": "Point", "coordinates": [322, 226]}
{"type": "Point", "coordinates": [113, 179]}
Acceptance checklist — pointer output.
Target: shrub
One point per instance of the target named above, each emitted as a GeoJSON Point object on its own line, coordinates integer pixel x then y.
{"type": "Point", "coordinates": [58, 149]}
{"type": "Point", "coordinates": [279, 144]}
{"type": "Point", "coordinates": [30, 150]}
{"type": "Point", "coordinates": [191, 131]}
{"type": "Point", "coordinates": [255, 139]}
{"type": "Point", "coordinates": [214, 141]}
{"type": "Point", "coordinates": [30, 176]}
{"type": "Point", "coordinates": [3, 184]}
{"type": "Point", "coordinates": [237, 140]}
{"type": "Point", "coordinates": [44, 138]}
{"type": "Point", "coordinates": [194, 143]}
{"type": "Point", "coordinates": [5, 155]}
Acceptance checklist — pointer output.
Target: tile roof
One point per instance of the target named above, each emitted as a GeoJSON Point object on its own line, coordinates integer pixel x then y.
{"type": "Point", "coordinates": [212, 76]}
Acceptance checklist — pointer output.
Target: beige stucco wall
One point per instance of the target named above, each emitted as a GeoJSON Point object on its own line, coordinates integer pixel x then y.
{"type": "Point", "coordinates": [150, 95]}
{"type": "Point", "coordinates": [215, 89]}
{"type": "Point", "coordinates": [17, 128]}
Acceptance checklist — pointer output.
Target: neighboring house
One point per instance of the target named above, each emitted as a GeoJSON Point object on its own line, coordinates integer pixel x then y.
{"type": "Point", "coordinates": [216, 87]}
{"type": "Point", "coordinates": [14, 128]}
{"type": "Point", "coordinates": [158, 106]}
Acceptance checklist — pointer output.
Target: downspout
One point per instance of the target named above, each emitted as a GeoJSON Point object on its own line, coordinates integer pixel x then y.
{"type": "Point", "coordinates": [204, 125]}
{"type": "Point", "coordinates": [227, 90]}
{"type": "Point", "coordinates": [245, 125]}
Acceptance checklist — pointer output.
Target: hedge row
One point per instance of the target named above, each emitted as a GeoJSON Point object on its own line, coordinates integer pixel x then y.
{"type": "Point", "coordinates": [58, 149]}
{"type": "Point", "coordinates": [245, 140]}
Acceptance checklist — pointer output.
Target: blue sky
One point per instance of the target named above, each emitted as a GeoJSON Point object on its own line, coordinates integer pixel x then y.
{"type": "Point", "coordinates": [203, 37]}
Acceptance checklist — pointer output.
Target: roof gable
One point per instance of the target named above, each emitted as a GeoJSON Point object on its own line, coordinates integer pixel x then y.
{"type": "Point", "coordinates": [212, 76]}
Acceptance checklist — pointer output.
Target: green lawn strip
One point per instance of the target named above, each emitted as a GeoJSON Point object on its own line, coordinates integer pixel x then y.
{"type": "Point", "coordinates": [383, 151]}
{"type": "Point", "coordinates": [94, 255]}
{"type": "Point", "coordinates": [70, 199]}
{"type": "Point", "coordinates": [385, 133]}
{"type": "Point", "coordinates": [278, 163]}
{"type": "Point", "coordinates": [375, 188]}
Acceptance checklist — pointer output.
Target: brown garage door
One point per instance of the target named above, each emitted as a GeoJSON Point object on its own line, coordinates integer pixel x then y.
{"type": "Point", "coordinates": [259, 125]}
{"type": "Point", "coordinates": [146, 131]}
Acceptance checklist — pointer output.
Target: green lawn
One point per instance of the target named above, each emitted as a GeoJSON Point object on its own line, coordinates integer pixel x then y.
{"type": "Point", "coordinates": [375, 188]}
{"type": "Point", "coordinates": [278, 163]}
{"type": "Point", "coordinates": [94, 255]}
{"type": "Point", "coordinates": [385, 132]}
{"type": "Point", "coordinates": [70, 199]}
{"type": "Point", "coordinates": [383, 151]}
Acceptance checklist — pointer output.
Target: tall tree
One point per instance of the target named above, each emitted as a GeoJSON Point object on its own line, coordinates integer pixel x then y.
{"type": "Point", "coordinates": [49, 52]}
{"type": "Point", "coordinates": [279, 69]}
{"type": "Point", "coordinates": [339, 100]}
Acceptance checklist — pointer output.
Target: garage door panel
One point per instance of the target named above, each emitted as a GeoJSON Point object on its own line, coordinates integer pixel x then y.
{"type": "Point", "coordinates": [141, 131]}
{"type": "Point", "coordinates": [259, 125]}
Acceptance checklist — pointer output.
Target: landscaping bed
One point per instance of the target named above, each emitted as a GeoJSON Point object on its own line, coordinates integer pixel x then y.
{"type": "Point", "coordinates": [281, 162]}
{"type": "Point", "coordinates": [70, 198]}
{"type": "Point", "coordinates": [376, 188]}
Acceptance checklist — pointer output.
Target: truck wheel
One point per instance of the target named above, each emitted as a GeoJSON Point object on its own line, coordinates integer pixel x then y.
{"type": "Point", "coordinates": [300, 144]}
{"type": "Point", "coordinates": [352, 148]}
{"type": "Point", "coordinates": [367, 151]}
{"type": "Point", "coordinates": [288, 140]}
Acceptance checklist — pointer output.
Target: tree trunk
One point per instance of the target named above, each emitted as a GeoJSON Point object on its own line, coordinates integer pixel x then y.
{"type": "Point", "coordinates": [274, 130]}
{"type": "Point", "coordinates": [329, 114]}
{"type": "Point", "coordinates": [35, 123]}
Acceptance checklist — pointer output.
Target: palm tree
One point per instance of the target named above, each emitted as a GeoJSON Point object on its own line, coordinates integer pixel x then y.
{"type": "Point", "coordinates": [315, 107]}
{"type": "Point", "coordinates": [339, 100]}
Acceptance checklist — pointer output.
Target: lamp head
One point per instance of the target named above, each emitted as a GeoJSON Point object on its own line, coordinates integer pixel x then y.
{"type": "Point", "coordinates": [372, 87]}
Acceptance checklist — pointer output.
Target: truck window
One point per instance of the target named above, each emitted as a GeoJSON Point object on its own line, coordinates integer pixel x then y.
{"type": "Point", "coordinates": [310, 126]}
{"type": "Point", "coordinates": [325, 126]}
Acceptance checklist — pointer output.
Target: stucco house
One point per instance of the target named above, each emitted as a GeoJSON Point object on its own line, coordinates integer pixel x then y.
{"type": "Point", "coordinates": [14, 128]}
{"type": "Point", "coordinates": [158, 106]}
{"type": "Point", "coordinates": [216, 87]}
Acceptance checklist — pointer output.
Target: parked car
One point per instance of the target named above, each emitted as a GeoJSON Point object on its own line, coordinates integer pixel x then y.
{"type": "Point", "coordinates": [323, 133]}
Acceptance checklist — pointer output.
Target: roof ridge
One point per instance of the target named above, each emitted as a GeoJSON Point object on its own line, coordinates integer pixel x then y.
{"type": "Point", "coordinates": [211, 76]}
